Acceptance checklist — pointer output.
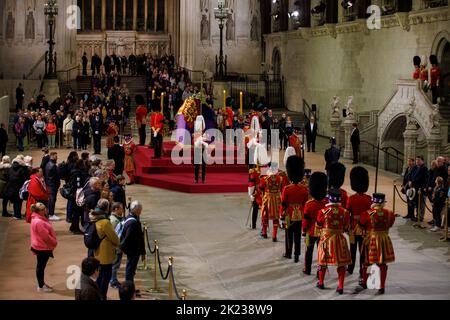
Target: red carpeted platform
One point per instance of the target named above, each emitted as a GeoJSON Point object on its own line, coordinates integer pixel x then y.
{"type": "Point", "coordinates": [163, 173]}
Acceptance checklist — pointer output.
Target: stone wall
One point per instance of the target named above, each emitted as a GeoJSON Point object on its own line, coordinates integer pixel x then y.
{"type": "Point", "coordinates": [200, 36]}
{"type": "Point", "coordinates": [22, 48]}
{"type": "Point", "coordinates": [8, 88]}
{"type": "Point", "coordinates": [4, 111]}
{"type": "Point", "coordinates": [348, 59]}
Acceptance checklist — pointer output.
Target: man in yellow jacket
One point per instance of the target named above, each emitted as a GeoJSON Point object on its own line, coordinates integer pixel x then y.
{"type": "Point", "coordinates": [106, 252]}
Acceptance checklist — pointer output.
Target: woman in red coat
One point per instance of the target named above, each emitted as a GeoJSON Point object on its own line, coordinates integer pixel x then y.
{"type": "Point", "coordinates": [37, 192]}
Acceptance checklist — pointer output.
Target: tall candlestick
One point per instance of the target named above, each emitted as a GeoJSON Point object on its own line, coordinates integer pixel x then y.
{"type": "Point", "coordinates": [225, 100]}
{"type": "Point", "coordinates": [162, 103]}
{"type": "Point", "coordinates": [153, 94]}
{"type": "Point", "coordinates": [242, 103]}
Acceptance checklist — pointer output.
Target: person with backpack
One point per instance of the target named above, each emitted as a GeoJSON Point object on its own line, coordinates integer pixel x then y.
{"type": "Point", "coordinates": [17, 175]}
{"type": "Point", "coordinates": [90, 193]}
{"type": "Point", "coordinates": [118, 222]}
{"type": "Point", "coordinates": [78, 180]}
{"type": "Point", "coordinates": [37, 192]}
{"type": "Point", "coordinates": [103, 242]}
{"type": "Point", "coordinates": [132, 240]}
{"type": "Point", "coordinates": [53, 182]}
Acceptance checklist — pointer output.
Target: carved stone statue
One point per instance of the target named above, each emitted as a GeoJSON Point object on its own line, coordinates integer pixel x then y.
{"type": "Point", "coordinates": [350, 108]}
{"type": "Point", "coordinates": [410, 111]}
{"type": "Point", "coordinates": [10, 21]}
{"type": "Point", "coordinates": [435, 117]}
{"type": "Point", "coordinates": [254, 34]}
{"type": "Point", "coordinates": [29, 26]}
{"type": "Point", "coordinates": [335, 110]}
{"type": "Point", "coordinates": [204, 28]}
{"type": "Point", "coordinates": [204, 4]}
{"type": "Point", "coordinates": [230, 28]}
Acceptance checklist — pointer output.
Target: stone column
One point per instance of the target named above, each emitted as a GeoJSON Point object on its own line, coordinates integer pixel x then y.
{"type": "Point", "coordinates": [103, 15]}
{"type": "Point", "coordinates": [348, 126]}
{"type": "Point", "coordinates": [135, 12]}
{"type": "Point", "coordinates": [434, 144]}
{"type": "Point", "coordinates": [336, 122]}
{"type": "Point", "coordinates": [411, 134]}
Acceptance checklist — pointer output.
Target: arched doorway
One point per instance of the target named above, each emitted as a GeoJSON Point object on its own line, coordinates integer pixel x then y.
{"type": "Point", "coordinates": [393, 144]}
{"type": "Point", "coordinates": [445, 72]}
{"type": "Point", "coordinates": [276, 63]}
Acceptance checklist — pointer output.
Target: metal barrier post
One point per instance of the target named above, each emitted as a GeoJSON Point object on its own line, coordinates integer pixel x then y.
{"type": "Point", "coordinates": [184, 295]}
{"type": "Point", "coordinates": [170, 278]}
{"type": "Point", "coordinates": [445, 238]}
{"type": "Point", "coordinates": [155, 280]}
{"type": "Point", "coordinates": [145, 243]}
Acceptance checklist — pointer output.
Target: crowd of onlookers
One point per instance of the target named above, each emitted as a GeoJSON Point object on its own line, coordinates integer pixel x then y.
{"type": "Point", "coordinates": [421, 184]}
{"type": "Point", "coordinates": [96, 200]}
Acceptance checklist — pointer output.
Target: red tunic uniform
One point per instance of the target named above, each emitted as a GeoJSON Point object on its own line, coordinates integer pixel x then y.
{"type": "Point", "coordinates": [229, 114]}
{"type": "Point", "coordinates": [293, 199]}
{"type": "Point", "coordinates": [141, 115]}
{"type": "Point", "coordinates": [357, 204]}
{"type": "Point", "coordinates": [333, 247]}
{"type": "Point", "coordinates": [344, 196]}
{"type": "Point", "coordinates": [377, 245]}
{"type": "Point", "coordinates": [312, 208]}
{"type": "Point", "coordinates": [435, 76]}
{"type": "Point", "coordinates": [157, 122]}
{"type": "Point", "coordinates": [416, 74]}
{"type": "Point", "coordinates": [423, 74]}
{"type": "Point", "coordinates": [272, 186]}
{"type": "Point", "coordinates": [255, 181]}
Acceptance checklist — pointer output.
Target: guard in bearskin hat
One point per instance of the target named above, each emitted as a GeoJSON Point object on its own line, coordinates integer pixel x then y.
{"type": "Point", "coordinates": [157, 126]}
{"type": "Point", "coordinates": [293, 201]}
{"type": "Point", "coordinates": [318, 191]}
{"type": "Point", "coordinates": [333, 220]}
{"type": "Point", "coordinates": [357, 204]}
{"type": "Point", "coordinates": [417, 61]}
{"type": "Point", "coordinates": [141, 119]}
{"type": "Point", "coordinates": [336, 180]}
{"type": "Point", "coordinates": [377, 246]}
{"type": "Point", "coordinates": [435, 78]}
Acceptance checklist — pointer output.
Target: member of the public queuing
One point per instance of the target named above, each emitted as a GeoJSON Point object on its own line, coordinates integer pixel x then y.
{"type": "Point", "coordinates": [89, 290]}
{"type": "Point", "coordinates": [43, 242]}
{"type": "Point", "coordinates": [357, 204]}
{"type": "Point", "coordinates": [336, 179]}
{"type": "Point", "coordinates": [377, 246]}
{"type": "Point", "coordinates": [311, 232]}
{"type": "Point", "coordinates": [334, 220]}
{"type": "Point", "coordinates": [293, 201]}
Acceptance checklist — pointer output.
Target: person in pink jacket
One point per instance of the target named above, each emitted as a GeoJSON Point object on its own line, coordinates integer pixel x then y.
{"type": "Point", "coordinates": [43, 242]}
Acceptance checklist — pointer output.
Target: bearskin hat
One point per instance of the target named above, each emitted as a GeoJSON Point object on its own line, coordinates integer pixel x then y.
{"type": "Point", "coordinates": [139, 100]}
{"type": "Point", "coordinates": [337, 175]}
{"type": "Point", "coordinates": [318, 186]}
{"type": "Point", "coordinates": [359, 178]}
{"type": "Point", "coordinates": [434, 59]}
{"type": "Point", "coordinates": [417, 61]}
{"type": "Point", "coordinates": [295, 167]}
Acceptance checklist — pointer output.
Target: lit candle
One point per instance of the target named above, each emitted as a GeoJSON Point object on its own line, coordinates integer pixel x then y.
{"type": "Point", "coordinates": [162, 102]}
{"type": "Point", "coordinates": [225, 100]}
{"type": "Point", "coordinates": [242, 103]}
{"type": "Point", "coordinates": [153, 94]}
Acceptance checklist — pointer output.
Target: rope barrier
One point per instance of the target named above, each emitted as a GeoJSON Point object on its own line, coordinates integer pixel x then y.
{"type": "Point", "coordinates": [172, 287]}
{"type": "Point", "coordinates": [399, 195]}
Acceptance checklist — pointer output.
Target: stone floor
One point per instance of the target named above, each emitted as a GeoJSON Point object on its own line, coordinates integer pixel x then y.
{"type": "Point", "coordinates": [217, 257]}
